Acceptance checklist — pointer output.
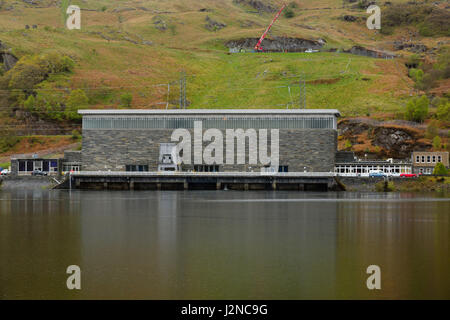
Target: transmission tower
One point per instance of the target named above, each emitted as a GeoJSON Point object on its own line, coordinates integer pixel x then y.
{"type": "Point", "coordinates": [302, 87]}
{"type": "Point", "coordinates": [183, 90]}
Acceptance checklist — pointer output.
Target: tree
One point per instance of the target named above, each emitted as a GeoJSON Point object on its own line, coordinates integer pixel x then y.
{"type": "Point", "coordinates": [126, 99]}
{"type": "Point", "coordinates": [30, 103]}
{"type": "Point", "coordinates": [437, 143]}
{"type": "Point", "coordinates": [76, 100]}
{"type": "Point", "coordinates": [440, 169]}
{"type": "Point", "coordinates": [416, 74]}
{"type": "Point", "coordinates": [417, 109]}
{"type": "Point", "coordinates": [25, 76]}
{"type": "Point", "coordinates": [443, 111]}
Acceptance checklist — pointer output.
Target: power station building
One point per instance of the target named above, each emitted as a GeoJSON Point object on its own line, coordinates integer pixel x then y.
{"type": "Point", "coordinates": [132, 140]}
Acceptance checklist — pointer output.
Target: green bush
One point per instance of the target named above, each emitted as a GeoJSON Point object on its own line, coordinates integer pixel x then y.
{"type": "Point", "coordinates": [416, 74]}
{"type": "Point", "coordinates": [76, 134]}
{"type": "Point", "coordinates": [126, 99]}
{"type": "Point", "coordinates": [437, 143]}
{"type": "Point", "coordinates": [385, 186]}
{"type": "Point", "coordinates": [7, 140]}
{"type": "Point", "coordinates": [443, 111]}
{"type": "Point", "coordinates": [348, 144]}
{"type": "Point", "coordinates": [440, 169]}
{"type": "Point", "coordinates": [417, 109]}
{"type": "Point", "coordinates": [288, 13]}
{"type": "Point", "coordinates": [76, 100]}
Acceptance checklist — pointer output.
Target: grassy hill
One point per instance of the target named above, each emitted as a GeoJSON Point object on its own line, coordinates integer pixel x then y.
{"type": "Point", "coordinates": [139, 47]}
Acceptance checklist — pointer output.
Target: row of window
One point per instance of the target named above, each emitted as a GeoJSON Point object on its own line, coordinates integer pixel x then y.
{"type": "Point", "coordinates": [197, 168]}
{"type": "Point", "coordinates": [429, 159]}
{"type": "Point", "coordinates": [211, 122]}
{"type": "Point", "coordinates": [42, 165]}
{"type": "Point", "coordinates": [136, 167]}
{"type": "Point", "coordinates": [367, 169]}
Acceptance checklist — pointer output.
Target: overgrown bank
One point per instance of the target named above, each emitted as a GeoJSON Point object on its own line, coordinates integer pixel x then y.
{"type": "Point", "coordinates": [435, 184]}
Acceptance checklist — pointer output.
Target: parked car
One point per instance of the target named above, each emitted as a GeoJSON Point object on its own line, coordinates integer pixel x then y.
{"type": "Point", "coordinates": [408, 175]}
{"type": "Point", "coordinates": [4, 172]}
{"type": "Point", "coordinates": [38, 173]}
{"type": "Point", "coordinates": [377, 173]}
{"type": "Point", "coordinates": [394, 174]}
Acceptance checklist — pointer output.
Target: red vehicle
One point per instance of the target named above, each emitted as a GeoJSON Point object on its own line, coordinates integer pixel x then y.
{"type": "Point", "coordinates": [408, 175]}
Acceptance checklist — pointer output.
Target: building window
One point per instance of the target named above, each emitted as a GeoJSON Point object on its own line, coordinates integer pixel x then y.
{"type": "Point", "coordinates": [434, 159]}
{"type": "Point", "coordinates": [439, 159]}
{"type": "Point", "coordinates": [423, 159]}
{"type": "Point", "coordinates": [136, 168]}
{"type": "Point", "coordinates": [233, 122]}
{"type": "Point", "coordinates": [206, 168]}
{"type": "Point", "coordinates": [417, 158]}
{"type": "Point", "coordinates": [283, 169]}
{"type": "Point", "coordinates": [428, 159]}
{"type": "Point", "coordinates": [22, 166]}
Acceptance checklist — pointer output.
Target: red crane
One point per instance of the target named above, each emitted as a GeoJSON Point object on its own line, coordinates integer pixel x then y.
{"type": "Point", "coordinates": [258, 45]}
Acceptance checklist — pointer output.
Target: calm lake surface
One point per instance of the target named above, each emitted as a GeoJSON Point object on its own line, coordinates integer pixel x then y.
{"type": "Point", "coordinates": [223, 244]}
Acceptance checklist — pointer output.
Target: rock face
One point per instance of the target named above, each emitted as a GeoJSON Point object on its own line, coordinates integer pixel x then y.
{"type": "Point", "coordinates": [361, 51]}
{"type": "Point", "coordinates": [261, 6]}
{"type": "Point", "coordinates": [276, 44]}
{"type": "Point", "coordinates": [213, 25]}
{"type": "Point", "coordinates": [7, 58]}
{"type": "Point", "coordinates": [393, 141]}
{"type": "Point", "coordinates": [349, 18]}
{"type": "Point", "coordinates": [159, 23]}
{"type": "Point", "coordinates": [410, 46]}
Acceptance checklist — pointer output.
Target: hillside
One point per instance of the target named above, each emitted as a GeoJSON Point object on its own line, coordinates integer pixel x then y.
{"type": "Point", "coordinates": [132, 53]}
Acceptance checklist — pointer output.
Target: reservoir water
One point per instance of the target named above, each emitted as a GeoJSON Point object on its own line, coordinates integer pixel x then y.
{"type": "Point", "coordinates": [223, 244]}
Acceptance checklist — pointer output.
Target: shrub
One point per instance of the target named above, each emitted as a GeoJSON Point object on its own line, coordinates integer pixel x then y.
{"type": "Point", "coordinates": [126, 99]}
{"type": "Point", "coordinates": [288, 13]}
{"type": "Point", "coordinates": [30, 104]}
{"type": "Point", "coordinates": [443, 111]}
{"type": "Point", "coordinates": [432, 130]}
{"type": "Point", "coordinates": [347, 144]}
{"type": "Point", "coordinates": [416, 74]}
{"type": "Point", "coordinates": [385, 186]}
{"type": "Point", "coordinates": [26, 74]}
{"type": "Point", "coordinates": [76, 100]}
{"type": "Point", "coordinates": [417, 109]}
{"type": "Point", "coordinates": [440, 169]}
{"type": "Point", "coordinates": [75, 134]}
{"type": "Point", "coordinates": [437, 143]}
{"type": "Point", "coordinates": [7, 140]}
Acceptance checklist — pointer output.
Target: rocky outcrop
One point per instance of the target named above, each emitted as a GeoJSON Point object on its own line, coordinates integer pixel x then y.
{"type": "Point", "coordinates": [159, 23]}
{"type": "Point", "coordinates": [349, 18]}
{"type": "Point", "coordinates": [276, 44]}
{"type": "Point", "coordinates": [361, 51]}
{"type": "Point", "coordinates": [213, 25]}
{"type": "Point", "coordinates": [390, 140]}
{"type": "Point", "coordinates": [260, 6]}
{"type": "Point", "coordinates": [7, 58]}
{"type": "Point", "coordinates": [410, 46]}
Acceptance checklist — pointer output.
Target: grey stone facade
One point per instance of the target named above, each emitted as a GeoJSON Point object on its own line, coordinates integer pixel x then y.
{"type": "Point", "coordinates": [300, 150]}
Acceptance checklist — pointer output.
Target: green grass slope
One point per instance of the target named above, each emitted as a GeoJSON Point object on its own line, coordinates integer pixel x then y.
{"type": "Point", "coordinates": [121, 48]}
